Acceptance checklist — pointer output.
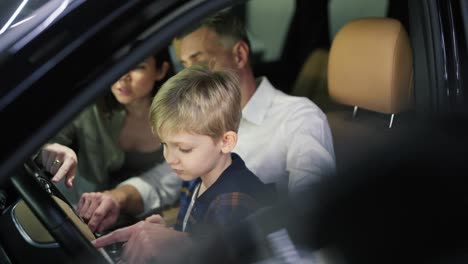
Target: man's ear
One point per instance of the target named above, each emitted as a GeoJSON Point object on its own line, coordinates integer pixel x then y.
{"type": "Point", "coordinates": [228, 141]}
{"type": "Point", "coordinates": [176, 46]}
{"type": "Point", "coordinates": [241, 53]}
{"type": "Point", "coordinates": [162, 71]}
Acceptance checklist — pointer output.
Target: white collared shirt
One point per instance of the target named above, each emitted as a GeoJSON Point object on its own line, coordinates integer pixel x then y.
{"type": "Point", "coordinates": [285, 139]}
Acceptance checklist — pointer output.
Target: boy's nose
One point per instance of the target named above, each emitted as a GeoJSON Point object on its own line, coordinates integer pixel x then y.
{"type": "Point", "coordinates": [170, 158]}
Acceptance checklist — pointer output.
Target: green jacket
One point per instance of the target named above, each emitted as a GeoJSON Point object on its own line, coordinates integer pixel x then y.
{"type": "Point", "coordinates": [94, 137]}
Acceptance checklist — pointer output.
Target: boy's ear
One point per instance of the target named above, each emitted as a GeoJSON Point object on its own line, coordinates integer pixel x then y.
{"type": "Point", "coordinates": [228, 141]}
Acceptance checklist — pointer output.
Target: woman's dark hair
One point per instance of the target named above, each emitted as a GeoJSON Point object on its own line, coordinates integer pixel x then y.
{"type": "Point", "coordinates": [107, 103]}
{"type": "Point", "coordinates": [161, 57]}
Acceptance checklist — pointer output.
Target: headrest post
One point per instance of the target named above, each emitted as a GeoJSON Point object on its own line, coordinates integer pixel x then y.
{"type": "Point", "coordinates": [391, 121]}
{"type": "Point", "coordinates": [355, 111]}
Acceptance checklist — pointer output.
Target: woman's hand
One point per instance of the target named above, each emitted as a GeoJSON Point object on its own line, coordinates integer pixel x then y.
{"type": "Point", "coordinates": [61, 161]}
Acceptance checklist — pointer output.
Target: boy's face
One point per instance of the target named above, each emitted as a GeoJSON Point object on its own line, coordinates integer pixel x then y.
{"type": "Point", "coordinates": [192, 155]}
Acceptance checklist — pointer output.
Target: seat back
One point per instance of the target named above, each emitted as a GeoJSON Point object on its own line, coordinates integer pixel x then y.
{"type": "Point", "coordinates": [370, 68]}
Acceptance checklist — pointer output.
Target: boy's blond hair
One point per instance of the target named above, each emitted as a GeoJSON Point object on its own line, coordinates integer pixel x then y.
{"type": "Point", "coordinates": [197, 100]}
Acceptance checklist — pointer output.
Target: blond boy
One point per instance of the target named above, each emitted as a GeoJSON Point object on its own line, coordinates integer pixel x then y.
{"type": "Point", "coordinates": [196, 114]}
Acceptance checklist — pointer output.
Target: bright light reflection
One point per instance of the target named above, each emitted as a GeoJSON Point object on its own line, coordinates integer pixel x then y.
{"type": "Point", "coordinates": [21, 22]}
{"type": "Point", "coordinates": [42, 26]}
{"type": "Point", "coordinates": [12, 18]}
{"type": "Point", "coordinates": [55, 14]}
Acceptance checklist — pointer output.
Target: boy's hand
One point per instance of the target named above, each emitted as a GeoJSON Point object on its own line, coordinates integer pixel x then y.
{"type": "Point", "coordinates": [100, 210]}
{"type": "Point", "coordinates": [144, 241]}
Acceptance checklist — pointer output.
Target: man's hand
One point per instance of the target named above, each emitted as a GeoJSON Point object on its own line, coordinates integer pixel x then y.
{"type": "Point", "coordinates": [145, 240]}
{"type": "Point", "coordinates": [60, 161]}
{"type": "Point", "coordinates": [100, 210]}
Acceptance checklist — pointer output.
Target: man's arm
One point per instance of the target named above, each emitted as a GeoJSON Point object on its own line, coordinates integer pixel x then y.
{"type": "Point", "coordinates": [156, 188]}
{"type": "Point", "coordinates": [128, 198]}
{"type": "Point", "coordinates": [310, 148]}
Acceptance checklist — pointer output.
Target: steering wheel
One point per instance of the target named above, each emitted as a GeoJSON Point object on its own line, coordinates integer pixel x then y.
{"type": "Point", "coordinates": [61, 226]}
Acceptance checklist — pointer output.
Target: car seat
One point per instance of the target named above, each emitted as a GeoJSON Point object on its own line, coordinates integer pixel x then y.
{"type": "Point", "coordinates": [370, 75]}
{"type": "Point", "coordinates": [311, 81]}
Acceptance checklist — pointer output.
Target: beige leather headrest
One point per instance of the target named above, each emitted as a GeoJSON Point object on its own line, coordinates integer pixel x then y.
{"type": "Point", "coordinates": [371, 65]}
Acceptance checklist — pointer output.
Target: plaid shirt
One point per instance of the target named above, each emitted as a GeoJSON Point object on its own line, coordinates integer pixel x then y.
{"type": "Point", "coordinates": [236, 194]}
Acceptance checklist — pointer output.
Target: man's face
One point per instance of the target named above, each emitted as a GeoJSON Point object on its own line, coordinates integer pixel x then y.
{"type": "Point", "coordinates": [204, 46]}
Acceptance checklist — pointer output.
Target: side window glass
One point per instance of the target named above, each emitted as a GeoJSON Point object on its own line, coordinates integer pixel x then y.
{"type": "Point", "coordinates": [267, 22]}
{"type": "Point", "coordinates": [343, 11]}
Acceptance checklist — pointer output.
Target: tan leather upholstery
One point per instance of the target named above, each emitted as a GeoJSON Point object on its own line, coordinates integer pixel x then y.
{"type": "Point", "coordinates": [36, 230]}
{"type": "Point", "coordinates": [370, 66]}
{"type": "Point", "coordinates": [312, 79]}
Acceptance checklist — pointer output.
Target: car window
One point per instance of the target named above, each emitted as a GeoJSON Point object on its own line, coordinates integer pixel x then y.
{"type": "Point", "coordinates": [268, 21]}
{"type": "Point", "coordinates": [342, 11]}
{"type": "Point", "coordinates": [267, 35]}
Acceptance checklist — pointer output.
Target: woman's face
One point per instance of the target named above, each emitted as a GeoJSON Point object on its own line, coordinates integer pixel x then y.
{"type": "Point", "coordinates": [136, 85]}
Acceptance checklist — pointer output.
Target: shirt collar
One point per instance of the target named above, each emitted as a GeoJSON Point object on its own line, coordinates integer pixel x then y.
{"type": "Point", "coordinates": [223, 182]}
{"type": "Point", "coordinates": [257, 107]}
